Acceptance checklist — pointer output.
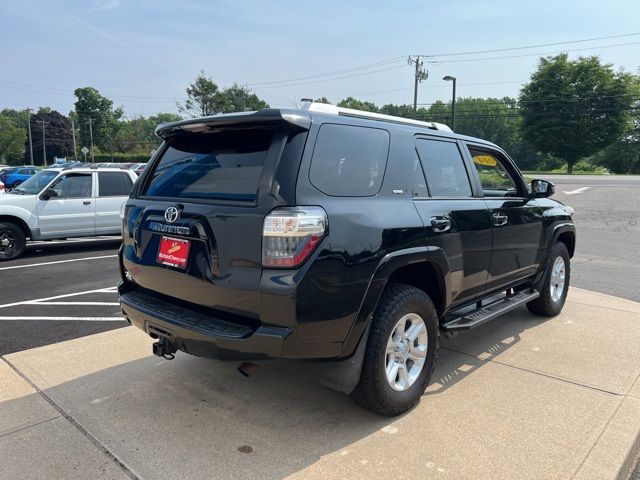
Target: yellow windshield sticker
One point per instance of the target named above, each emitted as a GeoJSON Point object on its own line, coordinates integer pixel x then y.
{"type": "Point", "coordinates": [486, 160]}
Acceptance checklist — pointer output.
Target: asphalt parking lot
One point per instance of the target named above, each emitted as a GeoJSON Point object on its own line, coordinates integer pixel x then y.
{"type": "Point", "coordinates": [60, 291]}
{"type": "Point", "coordinates": [57, 291]}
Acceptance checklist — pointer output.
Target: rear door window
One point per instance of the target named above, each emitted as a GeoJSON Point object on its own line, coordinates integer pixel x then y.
{"type": "Point", "coordinates": [225, 165]}
{"type": "Point", "coordinates": [349, 161]}
{"type": "Point", "coordinates": [444, 168]}
{"type": "Point", "coordinates": [111, 184]}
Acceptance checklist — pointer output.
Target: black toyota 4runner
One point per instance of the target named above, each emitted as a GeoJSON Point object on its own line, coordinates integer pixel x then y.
{"type": "Point", "coordinates": [336, 235]}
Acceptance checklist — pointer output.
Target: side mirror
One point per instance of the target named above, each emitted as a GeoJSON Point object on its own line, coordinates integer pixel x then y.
{"type": "Point", "coordinates": [49, 193]}
{"type": "Point", "coordinates": [542, 188]}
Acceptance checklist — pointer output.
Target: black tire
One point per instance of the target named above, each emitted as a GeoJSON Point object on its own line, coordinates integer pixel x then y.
{"type": "Point", "coordinates": [545, 305]}
{"type": "Point", "coordinates": [12, 241]}
{"type": "Point", "coordinates": [373, 391]}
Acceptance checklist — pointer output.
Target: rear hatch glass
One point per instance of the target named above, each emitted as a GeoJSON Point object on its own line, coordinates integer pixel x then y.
{"type": "Point", "coordinates": [222, 165]}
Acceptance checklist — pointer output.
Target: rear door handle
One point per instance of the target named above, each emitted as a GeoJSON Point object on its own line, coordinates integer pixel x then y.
{"type": "Point", "coordinates": [87, 202]}
{"type": "Point", "coordinates": [499, 220]}
{"type": "Point", "coordinates": [440, 224]}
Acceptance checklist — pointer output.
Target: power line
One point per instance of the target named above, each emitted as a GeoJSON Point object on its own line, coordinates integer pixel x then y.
{"type": "Point", "coordinates": [337, 72]}
{"type": "Point", "coordinates": [538, 54]}
{"type": "Point", "coordinates": [530, 46]}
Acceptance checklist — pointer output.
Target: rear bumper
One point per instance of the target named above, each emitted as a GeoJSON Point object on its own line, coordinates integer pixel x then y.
{"type": "Point", "coordinates": [200, 334]}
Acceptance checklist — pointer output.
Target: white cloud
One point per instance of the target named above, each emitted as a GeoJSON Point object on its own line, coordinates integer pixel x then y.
{"type": "Point", "coordinates": [102, 5]}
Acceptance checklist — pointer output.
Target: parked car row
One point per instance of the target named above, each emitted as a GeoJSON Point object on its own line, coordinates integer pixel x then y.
{"type": "Point", "coordinates": [14, 176]}
{"type": "Point", "coordinates": [11, 177]}
{"type": "Point", "coordinates": [58, 203]}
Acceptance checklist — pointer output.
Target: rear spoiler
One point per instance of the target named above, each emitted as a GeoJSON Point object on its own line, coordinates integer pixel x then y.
{"type": "Point", "coordinates": [296, 118]}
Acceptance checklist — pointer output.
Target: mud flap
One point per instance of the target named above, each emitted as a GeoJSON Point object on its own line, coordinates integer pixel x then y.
{"type": "Point", "coordinates": [343, 376]}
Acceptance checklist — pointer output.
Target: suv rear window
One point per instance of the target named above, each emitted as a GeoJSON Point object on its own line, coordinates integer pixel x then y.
{"type": "Point", "coordinates": [224, 165]}
{"type": "Point", "coordinates": [349, 161]}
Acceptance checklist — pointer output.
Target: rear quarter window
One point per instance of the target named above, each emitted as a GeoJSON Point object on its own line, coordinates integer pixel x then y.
{"type": "Point", "coordinates": [349, 161]}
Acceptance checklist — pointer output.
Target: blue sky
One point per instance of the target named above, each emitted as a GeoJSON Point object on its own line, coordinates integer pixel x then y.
{"type": "Point", "coordinates": [143, 53]}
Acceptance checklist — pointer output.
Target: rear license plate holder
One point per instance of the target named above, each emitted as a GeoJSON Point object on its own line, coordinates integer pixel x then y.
{"type": "Point", "coordinates": [174, 252]}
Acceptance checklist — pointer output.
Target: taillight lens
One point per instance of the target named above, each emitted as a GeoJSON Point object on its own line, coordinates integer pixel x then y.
{"type": "Point", "coordinates": [291, 234]}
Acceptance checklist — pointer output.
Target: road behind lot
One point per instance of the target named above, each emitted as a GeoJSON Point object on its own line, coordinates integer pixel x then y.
{"type": "Point", "coordinates": [607, 220]}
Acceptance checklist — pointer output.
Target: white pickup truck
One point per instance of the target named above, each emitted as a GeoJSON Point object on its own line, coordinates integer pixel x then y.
{"type": "Point", "coordinates": [62, 203]}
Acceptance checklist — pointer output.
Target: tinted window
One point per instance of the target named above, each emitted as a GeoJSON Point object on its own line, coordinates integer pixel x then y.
{"type": "Point", "coordinates": [113, 184]}
{"type": "Point", "coordinates": [73, 185]}
{"type": "Point", "coordinates": [223, 165]}
{"type": "Point", "coordinates": [349, 161]}
{"type": "Point", "coordinates": [419, 182]}
{"type": "Point", "coordinates": [494, 177]}
{"type": "Point", "coordinates": [444, 168]}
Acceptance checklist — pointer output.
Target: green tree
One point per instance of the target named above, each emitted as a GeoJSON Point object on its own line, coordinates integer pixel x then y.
{"type": "Point", "coordinates": [90, 104]}
{"type": "Point", "coordinates": [573, 108]}
{"type": "Point", "coordinates": [494, 119]}
{"type": "Point", "coordinates": [137, 134]}
{"type": "Point", "coordinates": [201, 97]}
{"type": "Point", "coordinates": [237, 98]}
{"type": "Point", "coordinates": [12, 140]}
{"type": "Point", "coordinates": [58, 137]}
{"type": "Point", "coordinates": [405, 111]}
{"type": "Point", "coordinates": [205, 98]}
{"type": "Point", "coordinates": [356, 104]}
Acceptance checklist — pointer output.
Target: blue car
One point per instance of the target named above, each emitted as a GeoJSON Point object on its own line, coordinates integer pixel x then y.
{"type": "Point", "coordinates": [18, 176]}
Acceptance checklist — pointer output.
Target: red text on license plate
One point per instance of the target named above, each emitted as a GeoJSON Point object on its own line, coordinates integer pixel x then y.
{"type": "Point", "coordinates": [174, 252]}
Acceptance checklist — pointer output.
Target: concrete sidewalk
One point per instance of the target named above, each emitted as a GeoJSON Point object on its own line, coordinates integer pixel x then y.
{"type": "Point", "coordinates": [522, 397]}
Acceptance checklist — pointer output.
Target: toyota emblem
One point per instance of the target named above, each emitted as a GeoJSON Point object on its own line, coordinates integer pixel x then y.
{"type": "Point", "coordinates": [172, 214]}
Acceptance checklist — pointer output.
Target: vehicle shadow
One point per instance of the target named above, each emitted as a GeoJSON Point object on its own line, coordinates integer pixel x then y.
{"type": "Point", "coordinates": [193, 417]}
{"type": "Point", "coordinates": [464, 353]}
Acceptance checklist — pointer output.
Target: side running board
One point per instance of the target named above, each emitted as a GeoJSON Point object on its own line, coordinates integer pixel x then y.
{"type": "Point", "coordinates": [489, 312]}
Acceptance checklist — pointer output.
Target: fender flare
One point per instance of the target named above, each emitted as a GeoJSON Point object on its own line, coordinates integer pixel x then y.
{"type": "Point", "coordinates": [391, 262]}
{"type": "Point", "coordinates": [557, 231]}
{"type": "Point", "coordinates": [14, 214]}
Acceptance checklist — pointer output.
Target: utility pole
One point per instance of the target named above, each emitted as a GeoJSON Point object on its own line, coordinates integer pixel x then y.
{"type": "Point", "coordinates": [44, 141]}
{"type": "Point", "coordinates": [420, 75]}
{"type": "Point", "coordinates": [30, 140]}
{"type": "Point", "coordinates": [91, 139]}
{"type": "Point", "coordinates": [73, 136]}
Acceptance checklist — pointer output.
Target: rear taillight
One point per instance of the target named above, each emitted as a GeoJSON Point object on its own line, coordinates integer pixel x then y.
{"type": "Point", "coordinates": [291, 234]}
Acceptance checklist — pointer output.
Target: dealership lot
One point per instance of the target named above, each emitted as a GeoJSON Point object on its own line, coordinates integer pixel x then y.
{"type": "Point", "coordinates": [521, 397]}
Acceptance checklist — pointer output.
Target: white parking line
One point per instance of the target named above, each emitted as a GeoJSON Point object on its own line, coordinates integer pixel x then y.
{"type": "Point", "coordinates": [14, 267]}
{"type": "Point", "coordinates": [66, 295]}
{"type": "Point", "coordinates": [578, 190]}
{"type": "Point", "coordinates": [83, 319]}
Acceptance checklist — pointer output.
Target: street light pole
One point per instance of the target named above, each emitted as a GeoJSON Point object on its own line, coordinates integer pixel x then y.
{"type": "Point", "coordinates": [453, 101]}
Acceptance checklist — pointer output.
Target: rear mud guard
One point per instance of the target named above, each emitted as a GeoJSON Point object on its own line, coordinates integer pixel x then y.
{"type": "Point", "coordinates": [343, 376]}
